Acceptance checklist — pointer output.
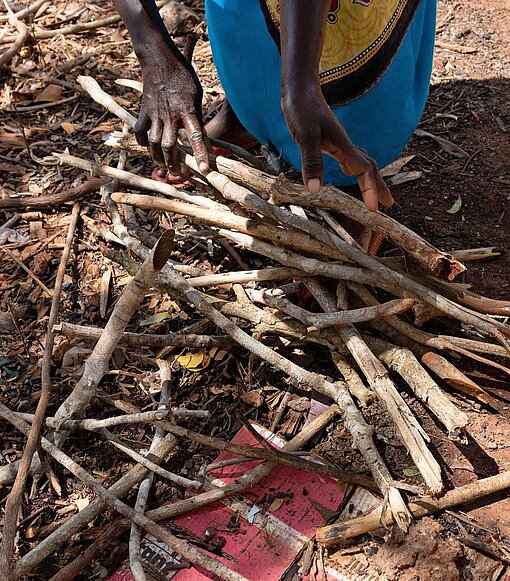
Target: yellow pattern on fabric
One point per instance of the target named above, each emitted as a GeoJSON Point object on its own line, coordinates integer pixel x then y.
{"type": "Point", "coordinates": [354, 33]}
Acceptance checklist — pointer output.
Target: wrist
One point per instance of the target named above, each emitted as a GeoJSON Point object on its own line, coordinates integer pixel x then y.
{"type": "Point", "coordinates": [301, 88]}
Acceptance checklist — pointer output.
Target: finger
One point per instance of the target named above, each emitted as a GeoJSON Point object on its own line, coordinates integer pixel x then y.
{"type": "Point", "coordinates": [142, 125]}
{"type": "Point", "coordinates": [384, 194]}
{"type": "Point", "coordinates": [373, 187]}
{"type": "Point", "coordinates": [197, 139]}
{"type": "Point", "coordinates": [311, 162]}
{"type": "Point", "coordinates": [154, 136]}
{"type": "Point", "coordinates": [168, 145]}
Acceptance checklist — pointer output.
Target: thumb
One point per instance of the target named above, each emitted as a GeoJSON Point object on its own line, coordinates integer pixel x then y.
{"type": "Point", "coordinates": [311, 163]}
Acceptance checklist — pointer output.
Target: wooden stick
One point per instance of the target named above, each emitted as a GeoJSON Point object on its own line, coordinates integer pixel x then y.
{"type": "Point", "coordinates": [356, 386]}
{"type": "Point", "coordinates": [411, 433]}
{"type": "Point", "coordinates": [93, 425]}
{"type": "Point", "coordinates": [135, 181]}
{"type": "Point", "coordinates": [245, 276]}
{"type": "Point", "coordinates": [18, 42]}
{"type": "Point", "coordinates": [425, 388]}
{"type": "Point", "coordinates": [14, 499]}
{"type": "Point", "coordinates": [281, 191]}
{"type": "Point", "coordinates": [78, 521]}
{"type": "Point", "coordinates": [135, 537]}
{"type": "Point", "coordinates": [394, 283]}
{"type": "Point", "coordinates": [251, 452]}
{"type": "Point", "coordinates": [180, 546]}
{"type": "Point", "coordinates": [52, 200]}
{"type": "Point", "coordinates": [419, 342]}
{"type": "Point", "coordinates": [80, 27]}
{"type": "Point", "coordinates": [176, 478]}
{"type": "Point", "coordinates": [333, 534]}
{"type": "Point", "coordinates": [227, 219]}
{"type": "Point", "coordinates": [323, 320]}
{"type": "Point", "coordinates": [97, 363]}
{"type": "Point", "coordinates": [170, 339]}
{"type": "Point", "coordinates": [35, 278]}
{"type": "Point", "coordinates": [21, 14]}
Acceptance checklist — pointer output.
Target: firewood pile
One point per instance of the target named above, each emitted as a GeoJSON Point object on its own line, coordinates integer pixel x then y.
{"type": "Point", "coordinates": [317, 286]}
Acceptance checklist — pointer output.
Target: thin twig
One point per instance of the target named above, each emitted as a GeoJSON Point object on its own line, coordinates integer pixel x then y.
{"type": "Point", "coordinates": [97, 363]}
{"type": "Point", "coordinates": [135, 537]}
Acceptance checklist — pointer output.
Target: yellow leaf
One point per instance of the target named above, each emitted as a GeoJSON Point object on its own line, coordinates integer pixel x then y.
{"type": "Point", "coordinates": [32, 532]}
{"type": "Point", "coordinates": [194, 361]}
{"type": "Point", "coordinates": [276, 504]}
{"type": "Point", "coordinates": [69, 128]}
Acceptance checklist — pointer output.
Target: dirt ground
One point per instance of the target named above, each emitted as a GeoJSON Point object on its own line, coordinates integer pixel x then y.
{"type": "Point", "coordinates": [469, 105]}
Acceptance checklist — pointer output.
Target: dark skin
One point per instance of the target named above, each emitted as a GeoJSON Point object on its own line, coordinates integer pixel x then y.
{"type": "Point", "coordinates": [172, 96]}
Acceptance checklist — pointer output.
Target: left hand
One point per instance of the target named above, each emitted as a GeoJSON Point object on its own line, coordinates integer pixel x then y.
{"type": "Point", "coordinates": [316, 130]}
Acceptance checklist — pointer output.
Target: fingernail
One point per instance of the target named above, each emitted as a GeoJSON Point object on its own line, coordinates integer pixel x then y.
{"type": "Point", "coordinates": [313, 185]}
{"type": "Point", "coordinates": [203, 166]}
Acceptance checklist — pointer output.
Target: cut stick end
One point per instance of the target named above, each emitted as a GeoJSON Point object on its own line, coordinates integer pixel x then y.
{"type": "Point", "coordinates": [163, 249]}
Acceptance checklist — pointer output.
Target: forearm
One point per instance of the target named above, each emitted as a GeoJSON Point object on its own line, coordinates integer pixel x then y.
{"type": "Point", "coordinates": [303, 25]}
{"type": "Point", "coordinates": [146, 28]}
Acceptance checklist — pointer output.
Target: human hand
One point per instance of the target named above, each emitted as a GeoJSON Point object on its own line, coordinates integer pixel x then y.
{"type": "Point", "coordinates": [172, 98]}
{"type": "Point", "coordinates": [316, 130]}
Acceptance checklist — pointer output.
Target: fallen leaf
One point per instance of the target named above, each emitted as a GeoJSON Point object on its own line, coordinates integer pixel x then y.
{"type": "Point", "coordinates": [411, 471]}
{"type": "Point", "coordinates": [393, 168]}
{"type": "Point", "coordinates": [32, 532]}
{"type": "Point", "coordinates": [406, 176]}
{"type": "Point", "coordinates": [276, 504]}
{"type": "Point", "coordinates": [217, 389]}
{"type": "Point", "coordinates": [50, 94]}
{"type": "Point", "coordinates": [81, 503]}
{"type": "Point", "coordinates": [194, 361]}
{"type": "Point", "coordinates": [55, 484]}
{"type": "Point", "coordinates": [253, 398]}
{"type": "Point", "coordinates": [69, 128]}
{"type": "Point", "coordinates": [157, 318]}
{"type": "Point", "coordinates": [457, 205]}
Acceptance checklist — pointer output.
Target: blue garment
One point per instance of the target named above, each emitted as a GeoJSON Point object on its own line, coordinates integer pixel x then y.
{"type": "Point", "coordinates": [381, 121]}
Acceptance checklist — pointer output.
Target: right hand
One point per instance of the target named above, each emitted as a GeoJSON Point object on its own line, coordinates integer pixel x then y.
{"type": "Point", "coordinates": [316, 130]}
{"type": "Point", "coordinates": [172, 98]}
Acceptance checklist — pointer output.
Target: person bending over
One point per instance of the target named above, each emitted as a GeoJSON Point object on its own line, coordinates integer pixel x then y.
{"type": "Point", "coordinates": [336, 86]}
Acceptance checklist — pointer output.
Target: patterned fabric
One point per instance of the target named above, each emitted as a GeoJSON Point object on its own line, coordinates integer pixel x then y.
{"type": "Point", "coordinates": [361, 39]}
{"type": "Point", "coordinates": [379, 106]}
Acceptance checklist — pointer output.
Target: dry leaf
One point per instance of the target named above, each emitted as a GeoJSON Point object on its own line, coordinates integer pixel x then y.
{"type": "Point", "coordinates": [393, 168]}
{"type": "Point", "coordinates": [253, 398]}
{"type": "Point", "coordinates": [105, 290]}
{"type": "Point", "coordinates": [276, 504]}
{"type": "Point", "coordinates": [69, 128]}
{"type": "Point", "coordinates": [55, 484]}
{"type": "Point", "coordinates": [50, 94]}
{"type": "Point", "coordinates": [194, 361]}
{"type": "Point", "coordinates": [157, 318]}
{"type": "Point", "coordinates": [32, 532]}
{"type": "Point", "coordinates": [406, 176]}
{"type": "Point", "coordinates": [217, 389]}
{"type": "Point", "coordinates": [81, 503]}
